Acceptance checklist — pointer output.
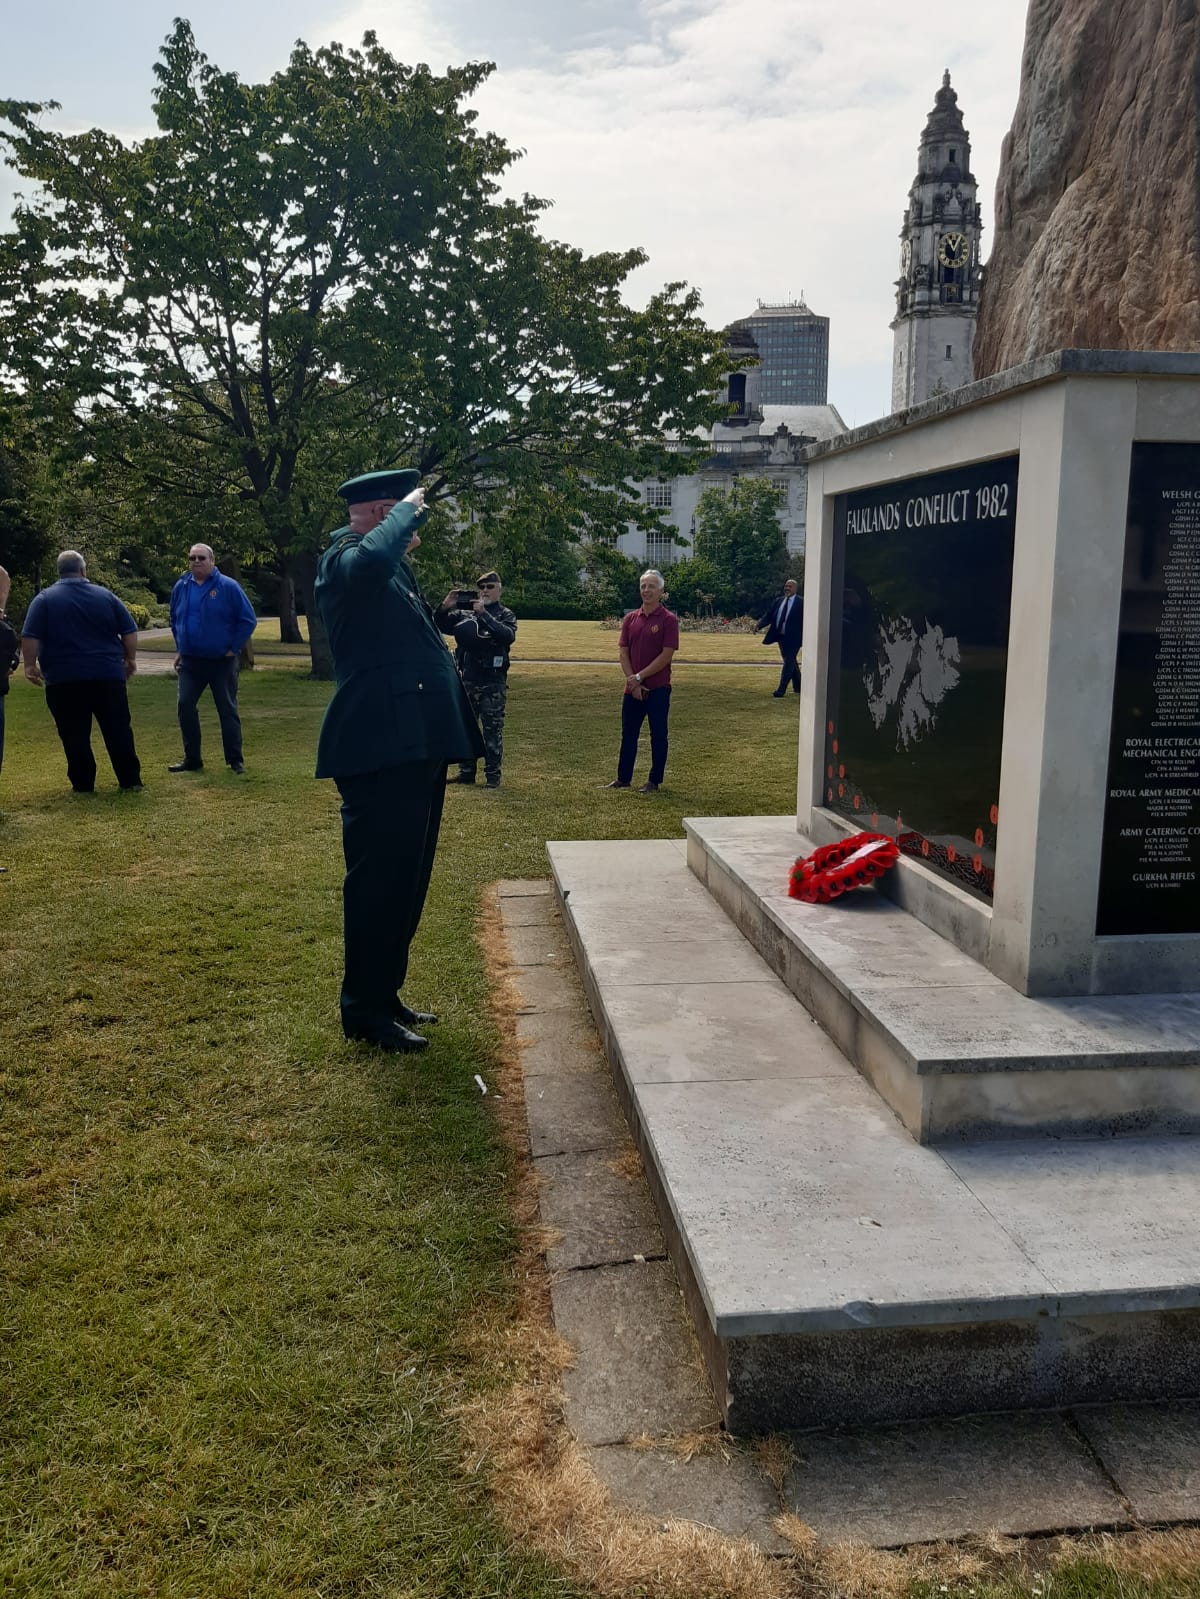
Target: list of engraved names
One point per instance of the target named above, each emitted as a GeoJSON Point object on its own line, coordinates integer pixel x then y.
{"type": "Point", "coordinates": [1150, 878]}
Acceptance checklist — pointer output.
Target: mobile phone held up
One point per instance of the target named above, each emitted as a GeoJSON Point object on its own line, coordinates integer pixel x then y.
{"type": "Point", "coordinates": [467, 597]}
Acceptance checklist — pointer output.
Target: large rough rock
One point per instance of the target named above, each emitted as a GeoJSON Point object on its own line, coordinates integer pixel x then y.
{"type": "Point", "coordinates": [1097, 242]}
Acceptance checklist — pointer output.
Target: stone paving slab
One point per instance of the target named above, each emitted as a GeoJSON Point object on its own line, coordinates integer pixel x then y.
{"type": "Point", "coordinates": [1110, 1222]}
{"type": "Point", "coordinates": [637, 1369]}
{"type": "Point", "coordinates": [705, 1032]}
{"type": "Point", "coordinates": [549, 988]}
{"type": "Point", "coordinates": [732, 1496]}
{"type": "Point", "coordinates": [537, 943]}
{"type": "Point", "coordinates": [716, 954]}
{"type": "Point", "coordinates": [570, 1114]}
{"type": "Point", "coordinates": [601, 1206]}
{"type": "Point", "coordinates": [622, 868]}
{"type": "Point", "coordinates": [559, 1043]}
{"type": "Point", "coordinates": [1014, 1474]}
{"type": "Point", "coordinates": [530, 910]}
{"type": "Point", "coordinates": [524, 888]}
{"type": "Point", "coordinates": [1153, 1452]}
{"type": "Point", "coordinates": [807, 1207]}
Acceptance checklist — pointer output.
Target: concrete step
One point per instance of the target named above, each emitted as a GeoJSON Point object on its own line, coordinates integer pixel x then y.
{"type": "Point", "coordinates": [955, 1051]}
{"type": "Point", "coordinates": [835, 1269]}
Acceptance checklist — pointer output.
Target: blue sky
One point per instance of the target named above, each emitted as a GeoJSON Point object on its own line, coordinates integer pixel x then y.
{"type": "Point", "coordinates": [758, 151]}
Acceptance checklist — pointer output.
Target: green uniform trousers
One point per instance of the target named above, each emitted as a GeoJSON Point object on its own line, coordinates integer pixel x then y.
{"type": "Point", "coordinates": [488, 701]}
{"type": "Point", "coordinates": [390, 824]}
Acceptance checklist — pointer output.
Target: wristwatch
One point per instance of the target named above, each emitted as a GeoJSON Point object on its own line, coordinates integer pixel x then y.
{"type": "Point", "coordinates": [637, 677]}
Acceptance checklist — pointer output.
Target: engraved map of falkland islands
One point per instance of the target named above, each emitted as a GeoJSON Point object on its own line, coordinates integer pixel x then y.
{"type": "Point", "coordinates": [921, 590]}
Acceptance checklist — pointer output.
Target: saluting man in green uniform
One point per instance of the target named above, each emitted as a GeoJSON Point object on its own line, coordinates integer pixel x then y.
{"type": "Point", "coordinates": [397, 718]}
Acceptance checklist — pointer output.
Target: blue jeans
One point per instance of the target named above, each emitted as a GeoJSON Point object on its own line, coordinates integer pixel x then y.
{"type": "Point", "coordinates": [656, 706]}
{"type": "Point", "coordinates": [220, 674]}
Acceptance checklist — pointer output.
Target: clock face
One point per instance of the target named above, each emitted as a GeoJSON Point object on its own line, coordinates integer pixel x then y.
{"type": "Point", "coordinates": [954, 250]}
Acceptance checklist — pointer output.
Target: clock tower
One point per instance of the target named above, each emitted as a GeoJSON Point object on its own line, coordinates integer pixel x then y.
{"type": "Point", "coordinates": [937, 293]}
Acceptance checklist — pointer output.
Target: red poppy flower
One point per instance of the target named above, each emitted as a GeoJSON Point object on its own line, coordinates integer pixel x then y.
{"type": "Point", "coordinates": [979, 835]}
{"type": "Point", "coordinates": [951, 854]}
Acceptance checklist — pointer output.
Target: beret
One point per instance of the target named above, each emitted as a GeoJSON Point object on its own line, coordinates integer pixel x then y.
{"type": "Point", "coordinates": [370, 486]}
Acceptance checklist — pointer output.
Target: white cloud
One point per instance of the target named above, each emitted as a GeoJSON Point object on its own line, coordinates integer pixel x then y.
{"type": "Point", "coordinates": [753, 151]}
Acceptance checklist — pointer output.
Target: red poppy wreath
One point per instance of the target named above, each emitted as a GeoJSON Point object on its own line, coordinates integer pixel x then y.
{"type": "Point", "coordinates": [835, 869]}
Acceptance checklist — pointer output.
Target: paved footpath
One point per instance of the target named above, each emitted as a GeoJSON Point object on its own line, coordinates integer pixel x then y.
{"type": "Point", "coordinates": [638, 1374]}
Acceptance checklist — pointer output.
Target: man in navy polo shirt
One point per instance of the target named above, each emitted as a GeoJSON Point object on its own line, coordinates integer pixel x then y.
{"type": "Point", "coordinates": [649, 639]}
{"type": "Point", "coordinates": [81, 642]}
{"type": "Point", "coordinates": [211, 619]}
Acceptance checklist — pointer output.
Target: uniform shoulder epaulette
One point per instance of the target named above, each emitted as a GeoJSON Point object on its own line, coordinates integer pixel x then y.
{"type": "Point", "coordinates": [342, 543]}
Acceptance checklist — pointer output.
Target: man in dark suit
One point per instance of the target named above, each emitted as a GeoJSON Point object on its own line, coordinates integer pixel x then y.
{"type": "Point", "coordinates": [784, 622]}
{"type": "Point", "coordinates": [398, 717]}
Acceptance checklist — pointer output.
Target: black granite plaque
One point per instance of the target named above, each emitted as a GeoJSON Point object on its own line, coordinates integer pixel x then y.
{"type": "Point", "coordinates": [921, 585]}
{"type": "Point", "coordinates": [1150, 860]}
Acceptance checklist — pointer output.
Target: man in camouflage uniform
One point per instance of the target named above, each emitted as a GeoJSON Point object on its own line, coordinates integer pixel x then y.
{"type": "Point", "coordinates": [483, 635]}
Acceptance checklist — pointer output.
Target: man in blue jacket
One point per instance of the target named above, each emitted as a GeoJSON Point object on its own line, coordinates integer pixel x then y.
{"type": "Point", "coordinates": [211, 619]}
{"type": "Point", "coordinates": [398, 717]}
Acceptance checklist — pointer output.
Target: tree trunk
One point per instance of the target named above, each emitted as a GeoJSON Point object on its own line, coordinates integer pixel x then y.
{"type": "Point", "coordinates": [318, 638]}
{"type": "Point", "coordinates": [289, 622]}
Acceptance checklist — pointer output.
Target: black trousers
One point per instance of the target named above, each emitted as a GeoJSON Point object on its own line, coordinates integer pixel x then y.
{"type": "Point", "coordinates": [72, 705]}
{"type": "Point", "coordinates": [656, 706]}
{"type": "Point", "coordinates": [791, 672]}
{"type": "Point", "coordinates": [220, 674]}
{"type": "Point", "coordinates": [390, 824]}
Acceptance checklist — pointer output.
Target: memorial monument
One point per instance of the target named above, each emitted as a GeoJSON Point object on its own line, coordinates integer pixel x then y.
{"type": "Point", "coordinates": [930, 1202]}
{"type": "Point", "coordinates": [1003, 666]}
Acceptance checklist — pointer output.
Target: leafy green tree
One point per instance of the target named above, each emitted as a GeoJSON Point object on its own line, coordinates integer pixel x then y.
{"type": "Point", "coordinates": [298, 280]}
{"type": "Point", "coordinates": [738, 533]}
{"type": "Point", "coordinates": [25, 531]}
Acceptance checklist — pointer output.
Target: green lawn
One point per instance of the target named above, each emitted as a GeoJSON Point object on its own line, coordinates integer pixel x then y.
{"type": "Point", "coordinates": [548, 641]}
{"type": "Point", "coordinates": [237, 1255]}
{"type": "Point", "coordinates": [239, 1258]}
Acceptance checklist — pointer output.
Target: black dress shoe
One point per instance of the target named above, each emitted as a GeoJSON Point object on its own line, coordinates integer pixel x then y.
{"type": "Point", "coordinates": [616, 783]}
{"type": "Point", "coordinates": [185, 766]}
{"type": "Point", "coordinates": [779, 693]}
{"type": "Point", "coordinates": [408, 1017]}
{"type": "Point", "coordinates": [237, 766]}
{"type": "Point", "coordinates": [648, 788]}
{"type": "Point", "coordinates": [461, 777]}
{"type": "Point", "coordinates": [396, 1040]}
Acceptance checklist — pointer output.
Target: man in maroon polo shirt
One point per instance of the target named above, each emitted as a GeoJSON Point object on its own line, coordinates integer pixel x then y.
{"type": "Point", "coordinates": [649, 638]}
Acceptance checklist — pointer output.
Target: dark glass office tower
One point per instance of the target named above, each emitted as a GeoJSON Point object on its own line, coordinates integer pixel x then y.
{"type": "Point", "coordinates": [793, 346]}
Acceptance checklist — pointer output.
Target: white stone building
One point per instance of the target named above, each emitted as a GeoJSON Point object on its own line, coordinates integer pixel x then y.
{"type": "Point", "coordinates": [937, 293]}
{"type": "Point", "coordinates": [755, 441]}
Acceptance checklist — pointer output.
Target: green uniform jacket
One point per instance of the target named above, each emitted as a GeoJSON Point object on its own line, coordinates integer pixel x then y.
{"type": "Point", "coordinates": [398, 696]}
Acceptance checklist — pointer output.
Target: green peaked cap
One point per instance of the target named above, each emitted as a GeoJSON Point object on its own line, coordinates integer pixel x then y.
{"type": "Point", "coordinates": [379, 486]}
